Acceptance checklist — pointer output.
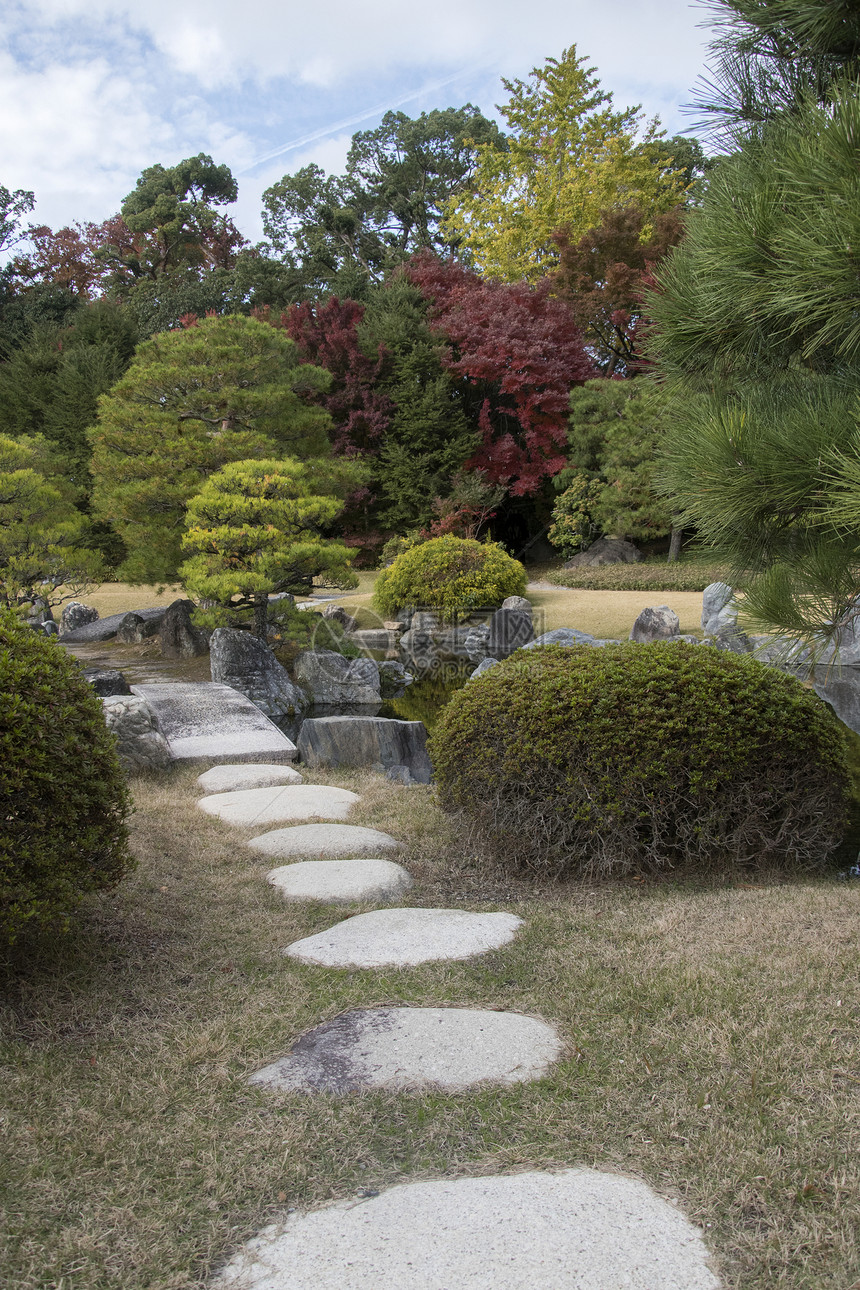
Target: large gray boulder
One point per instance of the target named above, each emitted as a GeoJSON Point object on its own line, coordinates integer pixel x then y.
{"type": "Point", "coordinates": [393, 679]}
{"type": "Point", "coordinates": [605, 550]}
{"type": "Point", "coordinates": [105, 629]}
{"type": "Point", "coordinates": [179, 637]}
{"type": "Point", "coordinates": [75, 615]}
{"type": "Point", "coordinates": [141, 745]}
{"type": "Point", "coordinates": [134, 629]}
{"type": "Point", "coordinates": [246, 664]}
{"type": "Point", "coordinates": [339, 614]}
{"type": "Point", "coordinates": [518, 602]}
{"type": "Point", "coordinates": [366, 741]}
{"type": "Point", "coordinates": [510, 629]}
{"type": "Point", "coordinates": [719, 611]}
{"type": "Point", "coordinates": [476, 642]}
{"type": "Point", "coordinates": [330, 678]}
{"type": "Point", "coordinates": [656, 623]}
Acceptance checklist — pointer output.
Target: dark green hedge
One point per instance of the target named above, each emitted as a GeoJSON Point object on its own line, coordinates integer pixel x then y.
{"type": "Point", "coordinates": [63, 797]}
{"type": "Point", "coordinates": [643, 757]}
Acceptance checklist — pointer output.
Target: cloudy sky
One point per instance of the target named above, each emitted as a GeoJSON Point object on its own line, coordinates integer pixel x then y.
{"type": "Point", "coordinates": [93, 91]}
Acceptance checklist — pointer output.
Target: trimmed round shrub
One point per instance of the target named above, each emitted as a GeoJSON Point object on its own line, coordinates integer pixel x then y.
{"type": "Point", "coordinates": [63, 797]}
{"type": "Point", "coordinates": [451, 575]}
{"type": "Point", "coordinates": [642, 757]}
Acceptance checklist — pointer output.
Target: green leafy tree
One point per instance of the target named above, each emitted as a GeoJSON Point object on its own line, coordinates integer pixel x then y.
{"type": "Point", "coordinates": [226, 389]}
{"type": "Point", "coordinates": [570, 157]}
{"type": "Point", "coordinates": [44, 558]}
{"type": "Point", "coordinates": [615, 431]}
{"type": "Point", "coordinates": [13, 207]}
{"type": "Point", "coordinates": [257, 528]}
{"type": "Point", "coordinates": [757, 325]}
{"type": "Point", "coordinates": [342, 233]}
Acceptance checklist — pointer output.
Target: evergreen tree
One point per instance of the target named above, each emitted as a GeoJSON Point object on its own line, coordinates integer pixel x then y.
{"type": "Point", "coordinates": [256, 528]}
{"type": "Point", "coordinates": [226, 389]}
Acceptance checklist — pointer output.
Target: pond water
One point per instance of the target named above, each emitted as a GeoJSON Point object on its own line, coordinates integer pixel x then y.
{"type": "Point", "coordinates": [423, 700]}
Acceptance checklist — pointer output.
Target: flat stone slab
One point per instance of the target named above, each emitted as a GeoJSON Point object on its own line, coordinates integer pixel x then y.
{"type": "Point", "coordinates": [401, 1048]}
{"type": "Point", "coordinates": [339, 882]}
{"type": "Point", "coordinates": [278, 803]}
{"type": "Point", "coordinates": [230, 778]}
{"type": "Point", "coordinates": [324, 842]}
{"type": "Point", "coordinates": [575, 1230]}
{"type": "Point", "coordinates": [204, 721]}
{"type": "Point", "coordinates": [405, 937]}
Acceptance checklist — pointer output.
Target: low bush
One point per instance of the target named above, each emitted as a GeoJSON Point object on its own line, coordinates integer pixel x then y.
{"type": "Point", "coordinates": [451, 575]}
{"type": "Point", "coordinates": [650, 576]}
{"type": "Point", "coordinates": [300, 629]}
{"type": "Point", "coordinates": [63, 798]}
{"type": "Point", "coordinates": [642, 757]}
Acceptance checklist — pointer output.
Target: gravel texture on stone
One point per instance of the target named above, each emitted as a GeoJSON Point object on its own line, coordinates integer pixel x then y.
{"type": "Point", "coordinates": [323, 841]}
{"type": "Point", "coordinates": [575, 1230]}
{"type": "Point", "coordinates": [279, 802]}
{"type": "Point", "coordinates": [401, 1048]}
{"type": "Point", "coordinates": [339, 882]}
{"type": "Point", "coordinates": [405, 937]}
{"type": "Point", "coordinates": [203, 721]}
{"type": "Point", "coordinates": [231, 777]}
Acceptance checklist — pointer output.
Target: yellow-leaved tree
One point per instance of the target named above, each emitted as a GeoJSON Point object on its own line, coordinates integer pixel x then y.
{"type": "Point", "coordinates": [570, 157]}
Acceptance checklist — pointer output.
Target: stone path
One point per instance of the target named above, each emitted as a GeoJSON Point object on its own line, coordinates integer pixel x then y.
{"type": "Point", "coordinates": [576, 1230]}
{"type": "Point", "coordinates": [405, 937]}
{"type": "Point", "coordinates": [579, 1228]}
{"type": "Point", "coordinates": [231, 779]}
{"type": "Point", "coordinates": [205, 721]}
{"type": "Point", "coordinates": [261, 806]}
{"type": "Point", "coordinates": [340, 882]}
{"type": "Point", "coordinates": [334, 841]}
{"type": "Point", "coordinates": [403, 1048]}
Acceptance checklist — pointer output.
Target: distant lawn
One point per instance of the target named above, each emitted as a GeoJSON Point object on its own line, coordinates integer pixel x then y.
{"type": "Point", "coordinates": [711, 1049]}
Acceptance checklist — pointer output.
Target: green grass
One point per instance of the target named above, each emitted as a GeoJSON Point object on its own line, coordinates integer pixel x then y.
{"type": "Point", "coordinates": [711, 1049]}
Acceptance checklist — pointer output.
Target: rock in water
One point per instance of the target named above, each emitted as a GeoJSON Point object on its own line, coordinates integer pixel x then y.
{"type": "Point", "coordinates": [656, 623]}
{"type": "Point", "coordinates": [179, 637]}
{"type": "Point", "coordinates": [330, 678]}
{"type": "Point", "coordinates": [366, 741]}
{"type": "Point", "coordinates": [245, 663]}
{"type": "Point", "coordinates": [142, 746]}
{"type": "Point", "coordinates": [106, 681]}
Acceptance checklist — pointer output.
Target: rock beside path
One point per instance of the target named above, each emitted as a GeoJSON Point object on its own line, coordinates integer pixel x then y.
{"type": "Point", "coordinates": [140, 743]}
{"type": "Point", "coordinates": [406, 937]}
{"type": "Point", "coordinates": [278, 803]}
{"type": "Point", "coordinates": [578, 1228]}
{"type": "Point", "coordinates": [206, 722]}
{"type": "Point", "coordinates": [403, 1048]}
{"type": "Point", "coordinates": [340, 882]}
{"type": "Point", "coordinates": [323, 841]}
{"type": "Point", "coordinates": [366, 741]}
{"type": "Point", "coordinates": [245, 663]}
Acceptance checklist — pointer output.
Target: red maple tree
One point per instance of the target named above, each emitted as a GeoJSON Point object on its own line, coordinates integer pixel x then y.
{"type": "Point", "coordinates": [518, 352]}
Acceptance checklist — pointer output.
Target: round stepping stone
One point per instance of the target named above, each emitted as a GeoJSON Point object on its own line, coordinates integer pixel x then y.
{"type": "Point", "coordinates": [329, 841]}
{"type": "Point", "coordinates": [281, 802]}
{"type": "Point", "coordinates": [231, 778]}
{"type": "Point", "coordinates": [398, 1048]}
{"type": "Point", "coordinates": [579, 1229]}
{"type": "Point", "coordinates": [404, 937]}
{"type": "Point", "coordinates": [341, 881]}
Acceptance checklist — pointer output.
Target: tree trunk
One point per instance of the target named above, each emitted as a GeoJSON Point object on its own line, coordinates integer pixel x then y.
{"type": "Point", "coordinates": [261, 617]}
{"type": "Point", "coordinates": [675, 546]}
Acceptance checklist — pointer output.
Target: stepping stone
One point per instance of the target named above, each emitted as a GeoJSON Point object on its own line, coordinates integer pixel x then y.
{"type": "Point", "coordinates": [281, 802]}
{"type": "Point", "coordinates": [399, 1048]}
{"type": "Point", "coordinates": [404, 937]}
{"type": "Point", "coordinates": [328, 841]}
{"type": "Point", "coordinates": [580, 1229]}
{"type": "Point", "coordinates": [229, 778]}
{"type": "Point", "coordinates": [341, 881]}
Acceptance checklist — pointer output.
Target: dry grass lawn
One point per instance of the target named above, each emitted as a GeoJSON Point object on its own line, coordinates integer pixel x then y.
{"type": "Point", "coordinates": [711, 1049]}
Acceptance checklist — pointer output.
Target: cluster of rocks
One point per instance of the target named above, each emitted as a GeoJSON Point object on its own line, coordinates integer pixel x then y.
{"type": "Point", "coordinates": [179, 638]}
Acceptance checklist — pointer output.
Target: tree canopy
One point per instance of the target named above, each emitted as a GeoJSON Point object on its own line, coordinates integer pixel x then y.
{"type": "Point", "coordinates": [225, 389]}
{"type": "Point", "coordinates": [569, 157]}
